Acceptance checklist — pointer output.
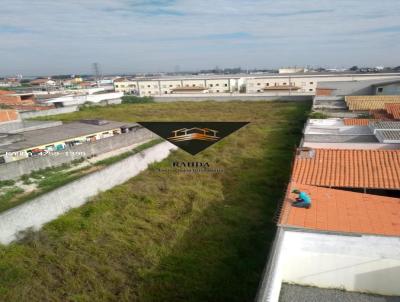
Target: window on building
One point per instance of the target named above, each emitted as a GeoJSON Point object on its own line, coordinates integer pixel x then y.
{"type": "Point", "coordinates": [165, 92]}
{"type": "Point", "coordinates": [258, 84]}
{"type": "Point", "coordinates": [258, 90]}
{"type": "Point", "coordinates": [148, 86]}
{"type": "Point", "coordinates": [226, 85]}
{"type": "Point", "coordinates": [216, 84]}
{"type": "Point", "coordinates": [310, 89]}
{"type": "Point", "coordinates": [2, 160]}
{"type": "Point", "coordinates": [380, 89]}
{"type": "Point", "coordinates": [211, 85]}
{"type": "Point", "coordinates": [116, 86]}
{"type": "Point", "coordinates": [194, 85]}
{"type": "Point", "coordinates": [284, 84]}
{"type": "Point", "coordinates": [217, 90]}
{"type": "Point", "coordinates": [267, 84]}
{"type": "Point", "coordinates": [170, 85]}
{"type": "Point", "coordinates": [311, 83]}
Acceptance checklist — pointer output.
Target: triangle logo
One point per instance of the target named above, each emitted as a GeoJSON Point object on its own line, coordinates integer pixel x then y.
{"type": "Point", "coordinates": [193, 137]}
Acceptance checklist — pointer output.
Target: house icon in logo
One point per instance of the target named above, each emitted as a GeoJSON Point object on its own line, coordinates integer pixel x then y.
{"type": "Point", "coordinates": [188, 134]}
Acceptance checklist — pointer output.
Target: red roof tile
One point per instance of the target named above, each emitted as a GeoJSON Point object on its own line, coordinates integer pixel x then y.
{"type": "Point", "coordinates": [380, 114]}
{"type": "Point", "coordinates": [356, 121]}
{"type": "Point", "coordinates": [393, 110]}
{"type": "Point", "coordinates": [5, 92]}
{"type": "Point", "coordinates": [342, 211]}
{"type": "Point", "coordinates": [378, 169]}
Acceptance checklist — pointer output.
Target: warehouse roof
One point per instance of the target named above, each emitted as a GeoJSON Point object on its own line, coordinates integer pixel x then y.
{"type": "Point", "coordinates": [370, 102]}
{"type": "Point", "coordinates": [51, 135]}
{"type": "Point", "coordinates": [378, 169]}
{"type": "Point", "coordinates": [342, 211]}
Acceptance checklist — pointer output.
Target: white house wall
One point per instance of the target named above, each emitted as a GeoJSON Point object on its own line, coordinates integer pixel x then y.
{"type": "Point", "coordinates": [363, 264]}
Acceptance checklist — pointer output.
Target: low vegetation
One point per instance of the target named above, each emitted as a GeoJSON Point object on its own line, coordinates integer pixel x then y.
{"type": "Point", "coordinates": [48, 179]}
{"type": "Point", "coordinates": [318, 115]}
{"type": "Point", "coordinates": [168, 236]}
{"type": "Point", "coordinates": [131, 99]}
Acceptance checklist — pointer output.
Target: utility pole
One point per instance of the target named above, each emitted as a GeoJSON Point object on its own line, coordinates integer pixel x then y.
{"type": "Point", "coordinates": [97, 73]}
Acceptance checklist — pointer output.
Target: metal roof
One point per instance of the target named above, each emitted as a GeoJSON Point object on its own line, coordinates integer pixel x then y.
{"type": "Point", "coordinates": [384, 125]}
{"type": "Point", "coordinates": [58, 133]}
{"type": "Point", "coordinates": [388, 136]}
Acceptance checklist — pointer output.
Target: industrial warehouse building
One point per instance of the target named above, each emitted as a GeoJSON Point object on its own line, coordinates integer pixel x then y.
{"type": "Point", "coordinates": [268, 84]}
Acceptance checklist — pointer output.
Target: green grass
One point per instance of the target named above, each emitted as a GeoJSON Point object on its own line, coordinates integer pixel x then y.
{"type": "Point", "coordinates": [6, 183]}
{"type": "Point", "coordinates": [168, 236]}
{"type": "Point", "coordinates": [52, 178]}
{"type": "Point", "coordinates": [114, 159]}
{"type": "Point", "coordinates": [131, 99]}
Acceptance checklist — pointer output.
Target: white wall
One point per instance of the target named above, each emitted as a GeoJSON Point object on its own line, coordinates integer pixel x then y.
{"type": "Point", "coordinates": [35, 213]}
{"type": "Point", "coordinates": [364, 264]}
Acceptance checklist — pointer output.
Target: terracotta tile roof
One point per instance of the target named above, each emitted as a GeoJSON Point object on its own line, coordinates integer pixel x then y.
{"type": "Point", "coordinates": [342, 211]}
{"type": "Point", "coordinates": [380, 114]}
{"type": "Point", "coordinates": [393, 109]}
{"type": "Point", "coordinates": [370, 102]}
{"type": "Point", "coordinates": [356, 121]}
{"type": "Point", "coordinates": [378, 169]}
{"type": "Point", "coordinates": [5, 92]}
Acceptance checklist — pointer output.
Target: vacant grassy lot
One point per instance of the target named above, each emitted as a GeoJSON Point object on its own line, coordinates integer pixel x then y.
{"type": "Point", "coordinates": [168, 237]}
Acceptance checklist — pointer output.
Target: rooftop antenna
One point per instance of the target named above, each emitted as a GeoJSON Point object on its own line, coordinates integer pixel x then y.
{"type": "Point", "coordinates": [97, 73]}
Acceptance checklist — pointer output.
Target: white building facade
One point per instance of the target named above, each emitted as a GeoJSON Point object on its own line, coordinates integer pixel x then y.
{"type": "Point", "coordinates": [269, 84]}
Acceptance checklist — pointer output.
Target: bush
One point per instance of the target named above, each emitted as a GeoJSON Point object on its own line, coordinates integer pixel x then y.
{"type": "Point", "coordinates": [6, 183]}
{"type": "Point", "coordinates": [131, 99]}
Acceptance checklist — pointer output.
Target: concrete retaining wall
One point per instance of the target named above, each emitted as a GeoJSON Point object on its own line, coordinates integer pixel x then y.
{"type": "Point", "coordinates": [18, 168]}
{"type": "Point", "coordinates": [32, 114]}
{"type": "Point", "coordinates": [331, 138]}
{"type": "Point", "coordinates": [188, 98]}
{"type": "Point", "coordinates": [35, 213]}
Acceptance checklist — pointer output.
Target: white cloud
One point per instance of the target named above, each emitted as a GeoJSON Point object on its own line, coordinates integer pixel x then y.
{"type": "Point", "coordinates": [46, 36]}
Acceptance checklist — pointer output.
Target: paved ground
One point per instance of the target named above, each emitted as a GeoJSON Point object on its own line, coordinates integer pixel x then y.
{"type": "Point", "coordinates": [297, 293]}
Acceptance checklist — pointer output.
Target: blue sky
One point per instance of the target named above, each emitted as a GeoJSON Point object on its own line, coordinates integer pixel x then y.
{"type": "Point", "coordinates": [56, 37]}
